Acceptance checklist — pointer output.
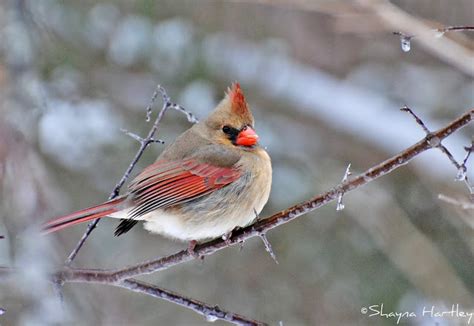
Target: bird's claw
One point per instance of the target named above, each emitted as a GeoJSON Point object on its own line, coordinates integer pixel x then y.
{"type": "Point", "coordinates": [191, 246]}
{"type": "Point", "coordinates": [226, 237]}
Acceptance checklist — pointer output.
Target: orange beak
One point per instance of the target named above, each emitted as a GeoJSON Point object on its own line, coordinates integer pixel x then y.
{"type": "Point", "coordinates": [247, 137]}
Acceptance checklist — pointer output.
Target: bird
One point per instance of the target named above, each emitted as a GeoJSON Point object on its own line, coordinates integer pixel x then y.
{"type": "Point", "coordinates": [213, 178]}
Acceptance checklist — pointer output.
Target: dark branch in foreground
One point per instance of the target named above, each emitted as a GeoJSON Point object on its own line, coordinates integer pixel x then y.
{"type": "Point", "coordinates": [144, 142]}
{"type": "Point", "coordinates": [264, 225]}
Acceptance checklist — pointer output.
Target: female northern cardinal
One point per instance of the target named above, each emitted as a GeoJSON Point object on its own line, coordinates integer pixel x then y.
{"type": "Point", "coordinates": [213, 178]}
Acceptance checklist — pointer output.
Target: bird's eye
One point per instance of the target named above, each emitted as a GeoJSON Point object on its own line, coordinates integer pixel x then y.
{"type": "Point", "coordinates": [226, 129]}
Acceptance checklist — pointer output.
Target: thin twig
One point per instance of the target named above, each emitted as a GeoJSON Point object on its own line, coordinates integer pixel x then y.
{"type": "Point", "coordinates": [140, 139]}
{"type": "Point", "coordinates": [455, 29]}
{"type": "Point", "coordinates": [191, 117]}
{"type": "Point", "coordinates": [462, 171]}
{"type": "Point", "coordinates": [405, 39]}
{"type": "Point", "coordinates": [469, 150]}
{"type": "Point", "coordinates": [456, 202]}
{"type": "Point", "coordinates": [340, 206]}
{"type": "Point", "coordinates": [144, 142]}
{"type": "Point", "coordinates": [417, 119]}
{"type": "Point", "coordinates": [436, 142]}
{"type": "Point", "coordinates": [211, 313]}
{"type": "Point", "coordinates": [264, 225]}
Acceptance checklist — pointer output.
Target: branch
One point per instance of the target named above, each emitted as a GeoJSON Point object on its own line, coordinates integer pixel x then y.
{"type": "Point", "coordinates": [122, 277]}
{"type": "Point", "coordinates": [462, 171]}
{"type": "Point", "coordinates": [144, 142]}
{"type": "Point", "coordinates": [436, 142]}
{"type": "Point", "coordinates": [212, 313]}
{"type": "Point", "coordinates": [339, 205]}
{"type": "Point", "coordinates": [405, 39]}
{"type": "Point", "coordinates": [264, 225]}
{"type": "Point", "coordinates": [460, 203]}
{"type": "Point", "coordinates": [455, 29]}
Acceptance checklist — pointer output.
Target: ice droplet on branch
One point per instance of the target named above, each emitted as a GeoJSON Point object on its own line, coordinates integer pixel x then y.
{"type": "Point", "coordinates": [339, 206]}
{"type": "Point", "coordinates": [462, 173]}
{"type": "Point", "coordinates": [405, 43]}
{"type": "Point", "coordinates": [211, 318]}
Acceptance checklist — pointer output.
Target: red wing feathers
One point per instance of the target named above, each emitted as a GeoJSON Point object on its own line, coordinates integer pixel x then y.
{"type": "Point", "coordinates": [164, 184]}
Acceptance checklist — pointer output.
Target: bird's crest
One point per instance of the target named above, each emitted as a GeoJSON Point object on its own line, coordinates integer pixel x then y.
{"type": "Point", "coordinates": [232, 110]}
{"type": "Point", "coordinates": [237, 99]}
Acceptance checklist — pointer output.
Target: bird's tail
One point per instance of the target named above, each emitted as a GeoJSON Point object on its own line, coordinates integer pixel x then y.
{"type": "Point", "coordinates": [84, 215]}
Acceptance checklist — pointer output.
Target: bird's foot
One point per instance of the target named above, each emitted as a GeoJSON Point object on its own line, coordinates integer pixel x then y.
{"type": "Point", "coordinates": [191, 246]}
{"type": "Point", "coordinates": [226, 237]}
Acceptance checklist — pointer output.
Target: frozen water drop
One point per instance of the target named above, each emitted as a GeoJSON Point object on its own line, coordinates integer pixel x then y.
{"type": "Point", "coordinates": [148, 115]}
{"type": "Point", "coordinates": [461, 175]}
{"type": "Point", "coordinates": [405, 43]}
{"type": "Point", "coordinates": [440, 34]}
{"type": "Point", "coordinates": [340, 206]}
{"type": "Point", "coordinates": [434, 141]}
{"type": "Point", "coordinates": [211, 318]}
{"type": "Point", "coordinates": [2, 311]}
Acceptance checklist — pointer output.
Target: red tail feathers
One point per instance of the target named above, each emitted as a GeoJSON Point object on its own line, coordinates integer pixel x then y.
{"type": "Point", "coordinates": [84, 215]}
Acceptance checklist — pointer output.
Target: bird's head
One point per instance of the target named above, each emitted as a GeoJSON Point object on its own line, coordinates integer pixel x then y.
{"type": "Point", "coordinates": [231, 122]}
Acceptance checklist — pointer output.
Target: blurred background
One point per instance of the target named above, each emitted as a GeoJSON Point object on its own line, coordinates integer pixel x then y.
{"type": "Point", "coordinates": [325, 81]}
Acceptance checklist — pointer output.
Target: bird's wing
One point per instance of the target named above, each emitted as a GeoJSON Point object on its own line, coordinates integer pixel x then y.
{"type": "Point", "coordinates": [168, 183]}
